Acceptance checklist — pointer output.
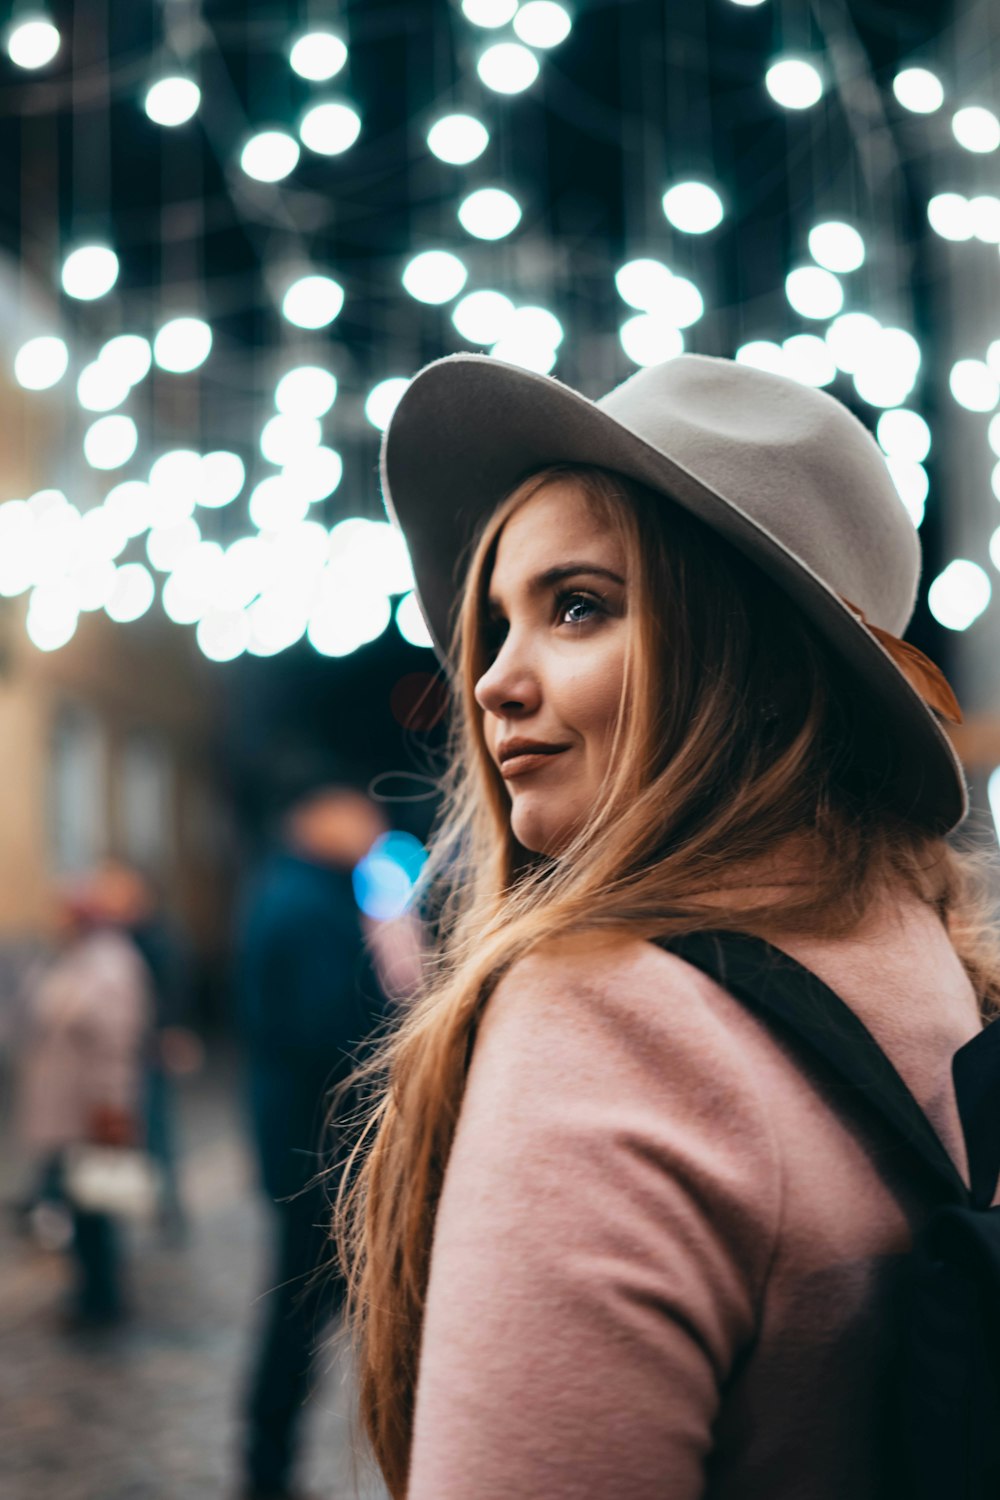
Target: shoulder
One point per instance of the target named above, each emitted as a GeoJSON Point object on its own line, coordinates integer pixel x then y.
{"type": "Point", "coordinates": [636, 1037]}
{"type": "Point", "coordinates": [623, 998]}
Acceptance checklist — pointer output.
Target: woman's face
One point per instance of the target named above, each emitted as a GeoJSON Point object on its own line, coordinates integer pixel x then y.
{"type": "Point", "coordinates": [557, 603]}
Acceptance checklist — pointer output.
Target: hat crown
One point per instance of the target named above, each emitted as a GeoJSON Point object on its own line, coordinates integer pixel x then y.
{"type": "Point", "coordinates": [795, 461]}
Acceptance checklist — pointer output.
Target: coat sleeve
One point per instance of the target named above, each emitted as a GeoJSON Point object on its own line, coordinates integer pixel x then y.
{"type": "Point", "coordinates": [603, 1239]}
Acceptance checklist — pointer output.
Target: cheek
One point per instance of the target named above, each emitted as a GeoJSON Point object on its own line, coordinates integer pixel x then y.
{"type": "Point", "coordinates": [592, 695]}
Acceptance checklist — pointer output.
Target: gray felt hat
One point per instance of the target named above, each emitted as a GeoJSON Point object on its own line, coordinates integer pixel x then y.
{"type": "Point", "coordinates": [783, 471]}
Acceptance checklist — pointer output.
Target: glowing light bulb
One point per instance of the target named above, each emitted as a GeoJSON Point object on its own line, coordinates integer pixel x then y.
{"type": "Point", "coordinates": [330, 129]}
{"type": "Point", "coordinates": [458, 139]}
{"type": "Point", "coordinates": [33, 42]}
{"type": "Point", "coordinates": [489, 213]}
{"type": "Point", "coordinates": [919, 90]}
{"type": "Point", "coordinates": [693, 207]}
{"type": "Point", "coordinates": [89, 272]}
{"type": "Point", "coordinates": [318, 56]}
{"type": "Point", "coordinates": [110, 442]}
{"type": "Point", "coordinates": [182, 345]}
{"type": "Point", "coordinates": [270, 155]}
{"type": "Point", "coordinates": [41, 363]}
{"type": "Point", "coordinates": [172, 101]}
{"type": "Point", "coordinates": [313, 301]}
{"type": "Point", "coordinates": [794, 83]}
{"type": "Point", "coordinates": [508, 68]}
{"type": "Point", "coordinates": [434, 276]}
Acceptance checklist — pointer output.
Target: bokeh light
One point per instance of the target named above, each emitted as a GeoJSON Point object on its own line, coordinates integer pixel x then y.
{"type": "Point", "coordinates": [434, 276]}
{"type": "Point", "coordinates": [172, 101]}
{"type": "Point", "coordinates": [410, 622]}
{"type": "Point", "coordinates": [542, 23]}
{"type": "Point", "coordinates": [490, 14]}
{"type": "Point", "coordinates": [458, 139]}
{"type": "Point", "coordinates": [318, 55]}
{"type": "Point", "coordinates": [508, 68]}
{"type": "Point", "coordinates": [127, 355]}
{"type": "Point", "coordinates": [836, 246]}
{"type": "Point", "coordinates": [270, 155]}
{"type": "Point", "coordinates": [693, 207]}
{"type": "Point", "coordinates": [110, 442]}
{"type": "Point", "coordinates": [132, 595]}
{"type": "Point", "coordinates": [807, 358]}
{"type": "Point", "coordinates": [33, 42]}
{"type": "Point", "coordinates": [762, 354]}
{"type": "Point", "coordinates": [950, 216]}
{"type": "Point", "coordinates": [482, 317]}
{"type": "Point", "coordinates": [976, 128]}
{"type": "Point", "coordinates": [649, 339]}
{"type": "Point", "coordinates": [182, 345]}
{"type": "Point", "coordinates": [99, 388]}
{"type": "Point", "coordinates": [307, 390]}
{"type": "Point", "coordinates": [315, 473]}
{"type": "Point", "coordinates": [89, 272]}
{"type": "Point", "coordinates": [919, 90]}
{"type": "Point", "coordinates": [904, 434]}
{"type": "Point", "coordinates": [221, 477]}
{"type": "Point", "coordinates": [330, 129]}
{"type": "Point", "coordinates": [313, 301]}
{"type": "Point", "coordinates": [974, 385]}
{"type": "Point", "coordinates": [959, 594]}
{"type": "Point", "coordinates": [41, 362]}
{"type": "Point", "coordinates": [384, 881]}
{"type": "Point", "coordinates": [284, 436]}
{"type": "Point", "coordinates": [794, 83]}
{"type": "Point", "coordinates": [814, 292]}
{"type": "Point", "coordinates": [489, 213]}
{"type": "Point", "coordinates": [910, 479]}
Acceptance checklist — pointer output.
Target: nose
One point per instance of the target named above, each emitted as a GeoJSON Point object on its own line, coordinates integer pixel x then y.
{"type": "Point", "coordinates": [510, 685]}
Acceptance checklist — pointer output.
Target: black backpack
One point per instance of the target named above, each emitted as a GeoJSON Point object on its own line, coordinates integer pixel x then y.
{"type": "Point", "coordinates": [947, 1408]}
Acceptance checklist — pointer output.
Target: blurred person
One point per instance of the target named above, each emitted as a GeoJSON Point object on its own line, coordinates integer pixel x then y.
{"type": "Point", "coordinates": [623, 1220]}
{"type": "Point", "coordinates": [129, 898]}
{"type": "Point", "coordinates": [88, 1018]}
{"type": "Point", "coordinates": [315, 980]}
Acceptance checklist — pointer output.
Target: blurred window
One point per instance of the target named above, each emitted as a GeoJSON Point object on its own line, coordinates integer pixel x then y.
{"type": "Point", "coordinates": [78, 814]}
{"type": "Point", "coordinates": [147, 796]}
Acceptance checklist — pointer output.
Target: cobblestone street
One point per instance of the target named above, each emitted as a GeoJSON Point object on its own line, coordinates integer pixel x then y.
{"type": "Point", "coordinates": [150, 1412]}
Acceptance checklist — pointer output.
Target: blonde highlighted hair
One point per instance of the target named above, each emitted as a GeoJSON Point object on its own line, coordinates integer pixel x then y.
{"type": "Point", "coordinates": [738, 729]}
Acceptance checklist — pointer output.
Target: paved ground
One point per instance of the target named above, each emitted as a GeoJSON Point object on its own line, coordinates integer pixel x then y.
{"type": "Point", "coordinates": [149, 1413]}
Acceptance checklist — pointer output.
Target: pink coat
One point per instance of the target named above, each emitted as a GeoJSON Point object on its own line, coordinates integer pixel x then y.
{"type": "Point", "coordinates": [88, 1022]}
{"type": "Point", "coordinates": [664, 1261]}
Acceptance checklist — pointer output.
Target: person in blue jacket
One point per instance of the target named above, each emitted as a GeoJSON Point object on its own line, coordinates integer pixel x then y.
{"type": "Point", "coordinates": [310, 997]}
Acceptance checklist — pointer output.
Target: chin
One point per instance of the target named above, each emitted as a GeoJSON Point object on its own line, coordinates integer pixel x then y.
{"type": "Point", "coordinates": [538, 831]}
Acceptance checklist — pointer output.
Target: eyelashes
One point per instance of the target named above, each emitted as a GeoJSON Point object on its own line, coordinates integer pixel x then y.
{"type": "Point", "coordinates": [569, 597]}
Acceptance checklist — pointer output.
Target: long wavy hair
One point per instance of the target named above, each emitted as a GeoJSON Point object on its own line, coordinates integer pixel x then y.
{"type": "Point", "coordinates": [738, 729]}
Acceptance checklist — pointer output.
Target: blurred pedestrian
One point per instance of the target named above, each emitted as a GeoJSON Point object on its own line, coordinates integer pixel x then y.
{"type": "Point", "coordinates": [129, 898]}
{"type": "Point", "coordinates": [314, 979]}
{"type": "Point", "coordinates": [87, 1025]}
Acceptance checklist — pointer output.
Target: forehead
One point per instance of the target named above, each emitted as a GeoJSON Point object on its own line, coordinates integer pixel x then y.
{"type": "Point", "coordinates": [557, 523]}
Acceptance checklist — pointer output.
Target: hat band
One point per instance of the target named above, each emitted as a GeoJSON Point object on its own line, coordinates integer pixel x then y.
{"type": "Point", "coordinates": [921, 673]}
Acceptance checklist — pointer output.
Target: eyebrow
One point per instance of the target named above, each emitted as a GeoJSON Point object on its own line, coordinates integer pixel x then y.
{"type": "Point", "coordinates": [543, 581]}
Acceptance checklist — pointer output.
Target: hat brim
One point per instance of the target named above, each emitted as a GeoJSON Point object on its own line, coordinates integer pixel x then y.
{"type": "Point", "coordinates": [469, 428]}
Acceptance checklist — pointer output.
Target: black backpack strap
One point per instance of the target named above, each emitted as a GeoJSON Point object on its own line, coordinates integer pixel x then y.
{"type": "Point", "coordinates": [776, 987]}
{"type": "Point", "coordinates": [976, 1071]}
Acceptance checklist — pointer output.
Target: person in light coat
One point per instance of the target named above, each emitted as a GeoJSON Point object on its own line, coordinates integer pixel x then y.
{"type": "Point", "coordinates": [87, 1029]}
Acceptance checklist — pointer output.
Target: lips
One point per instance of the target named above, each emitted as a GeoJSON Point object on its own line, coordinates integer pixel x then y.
{"type": "Point", "coordinates": [517, 760]}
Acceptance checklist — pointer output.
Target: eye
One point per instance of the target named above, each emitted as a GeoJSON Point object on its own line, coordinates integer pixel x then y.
{"type": "Point", "coordinates": [576, 608]}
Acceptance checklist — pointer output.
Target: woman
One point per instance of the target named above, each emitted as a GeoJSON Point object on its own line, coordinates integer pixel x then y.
{"type": "Point", "coordinates": [609, 1234]}
{"type": "Point", "coordinates": [89, 1026]}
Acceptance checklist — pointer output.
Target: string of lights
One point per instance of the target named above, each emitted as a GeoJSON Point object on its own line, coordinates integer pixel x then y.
{"type": "Point", "coordinates": [280, 574]}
